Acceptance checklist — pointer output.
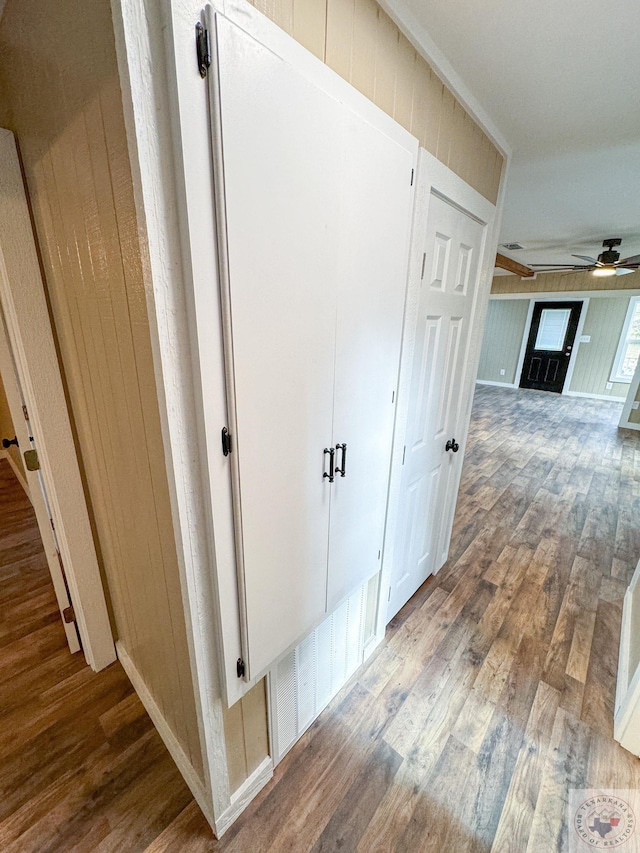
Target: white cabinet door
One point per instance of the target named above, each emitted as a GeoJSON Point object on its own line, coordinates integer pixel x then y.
{"type": "Point", "coordinates": [453, 243]}
{"type": "Point", "coordinates": [375, 220]}
{"type": "Point", "coordinates": [281, 164]}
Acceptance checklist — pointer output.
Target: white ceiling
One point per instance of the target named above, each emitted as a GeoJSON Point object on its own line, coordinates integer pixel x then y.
{"type": "Point", "coordinates": [561, 81]}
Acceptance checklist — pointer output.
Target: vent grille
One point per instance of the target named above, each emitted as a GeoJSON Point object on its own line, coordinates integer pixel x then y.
{"type": "Point", "coordinates": [513, 247]}
{"type": "Point", "coordinates": [304, 681]}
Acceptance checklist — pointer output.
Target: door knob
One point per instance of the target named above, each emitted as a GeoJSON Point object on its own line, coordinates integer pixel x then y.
{"type": "Point", "coordinates": [7, 442]}
{"type": "Point", "coordinates": [452, 444]}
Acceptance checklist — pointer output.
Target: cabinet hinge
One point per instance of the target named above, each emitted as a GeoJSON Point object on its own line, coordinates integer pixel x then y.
{"type": "Point", "coordinates": [203, 51]}
{"type": "Point", "coordinates": [68, 614]}
{"type": "Point", "coordinates": [226, 441]}
{"type": "Point", "coordinates": [412, 177]}
{"type": "Point", "coordinates": [25, 413]}
{"type": "Point", "coordinates": [240, 669]}
{"type": "Point", "coordinates": [31, 460]}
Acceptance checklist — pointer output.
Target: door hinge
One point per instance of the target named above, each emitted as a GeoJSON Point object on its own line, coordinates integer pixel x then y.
{"type": "Point", "coordinates": [240, 669]}
{"type": "Point", "coordinates": [203, 51]}
{"type": "Point", "coordinates": [404, 450]}
{"type": "Point", "coordinates": [68, 614]}
{"type": "Point", "coordinates": [25, 413]}
{"type": "Point", "coordinates": [31, 460]}
{"type": "Point", "coordinates": [389, 596]}
{"type": "Point", "coordinates": [412, 177]}
{"type": "Point", "coordinates": [226, 441]}
{"type": "Point", "coordinates": [424, 260]}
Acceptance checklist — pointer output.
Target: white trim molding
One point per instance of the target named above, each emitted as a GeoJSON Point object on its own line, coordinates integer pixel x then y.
{"type": "Point", "coordinates": [587, 396]}
{"type": "Point", "coordinates": [625, 423]}
{"type": "Point", "coordinates": [496, 384]}
{"type": "Point", "coordinates": [241, 798]}
{"type": "Point", "coordinates": [23, 305]}
{"type": "Point", "coordinates": [566, 295]}
{"type": "Point", "coordinates": [623, 343]}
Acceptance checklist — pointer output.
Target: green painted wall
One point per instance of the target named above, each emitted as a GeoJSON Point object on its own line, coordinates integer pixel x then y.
{"type": "Point", "coordinates": [604, 322]}
{"type": "Point", "coordinates": [502, 341]}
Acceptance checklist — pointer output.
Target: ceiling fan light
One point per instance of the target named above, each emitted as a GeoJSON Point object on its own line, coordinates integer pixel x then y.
{"type": "Point", "coordinates": [601, 272]}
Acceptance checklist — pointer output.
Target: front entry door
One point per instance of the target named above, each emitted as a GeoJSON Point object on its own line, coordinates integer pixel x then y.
{"type": "Point", "coordinates": [551, 337]}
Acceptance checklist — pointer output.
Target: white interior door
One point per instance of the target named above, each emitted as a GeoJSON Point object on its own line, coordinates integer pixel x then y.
{"type": "Point", "coordinates": [15, 399]}
{"type": "Point", "coordinates": [373, 257]}
{"type": "Point", "coordinates": [453, 243]}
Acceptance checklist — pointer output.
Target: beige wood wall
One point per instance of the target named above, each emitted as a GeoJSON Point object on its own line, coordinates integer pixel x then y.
{"type": "Point", "coordinates": [62, 100]}
{"type": "Point", "coordinates": [362, 44]}
{"type": "Point", "coordinates": [563, 282]}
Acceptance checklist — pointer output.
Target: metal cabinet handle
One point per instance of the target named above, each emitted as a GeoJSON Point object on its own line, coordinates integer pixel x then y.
{"type": "Point", "coordinates": [343, 469]}
{"type": "Point", "coordinates": [7, 442]}
{"type": "Point", "coordinates": [332, 453]}
{"type": "Point", "coordinates": [452, 444]}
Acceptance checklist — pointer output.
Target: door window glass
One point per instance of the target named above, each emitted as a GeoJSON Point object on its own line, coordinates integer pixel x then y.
{"type": "Point", "coordinates": [552, 329]}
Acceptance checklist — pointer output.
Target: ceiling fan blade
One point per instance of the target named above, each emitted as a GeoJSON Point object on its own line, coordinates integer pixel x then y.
{"type": "Point", "coordinates": [560, 266]}
{"type": "Point", "coordinates": [585, 258]}
{"type": "Point", "coordinates": [634, 259]}
{"type": "Point", "coordinates": [623, 270]}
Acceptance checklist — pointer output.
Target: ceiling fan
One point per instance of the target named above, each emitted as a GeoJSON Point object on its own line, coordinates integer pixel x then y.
{"type": "Point", "coordinates": [607, 262]}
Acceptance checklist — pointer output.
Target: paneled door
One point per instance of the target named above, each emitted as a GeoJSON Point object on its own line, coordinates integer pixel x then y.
{"type": "Point", "coordinates": [549, 346]}
{"type": "Point", "coordinates": [437, 400]}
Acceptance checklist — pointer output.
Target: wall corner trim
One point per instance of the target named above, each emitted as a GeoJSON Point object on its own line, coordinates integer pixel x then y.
{"type": "Point", "coordinates": [241, 798]}
{"type": "Point", "coordinates": [190, 776]}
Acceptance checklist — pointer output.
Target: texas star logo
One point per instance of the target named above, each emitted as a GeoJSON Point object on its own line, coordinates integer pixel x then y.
{"type": "Point", "coordinates": [604, 822]}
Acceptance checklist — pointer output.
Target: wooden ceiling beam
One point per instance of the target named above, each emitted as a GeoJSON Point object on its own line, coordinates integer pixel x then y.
{"type": "Point", "coordinates": [504, 263]}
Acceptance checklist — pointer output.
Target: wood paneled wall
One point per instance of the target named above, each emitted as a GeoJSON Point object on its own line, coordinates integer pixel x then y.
{"type": "Point", "coordinates": [362, 44]}
{"type": "Point", "coordinates": [603, 323]}
{"type": "Point", "coordinates": [246, 735]}
{"type": "Point", "coordinates": [502, 341]}
{"type": "Point", "coordinates": [64, 105]}
{"type": "Point", "coordinates": [563, 282]}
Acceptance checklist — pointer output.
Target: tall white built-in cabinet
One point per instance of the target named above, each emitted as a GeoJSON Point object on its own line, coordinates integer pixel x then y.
{"type": "Point", "coordinates": [315, 201]}
{"type": "Point", "coordinates": [337, 280]}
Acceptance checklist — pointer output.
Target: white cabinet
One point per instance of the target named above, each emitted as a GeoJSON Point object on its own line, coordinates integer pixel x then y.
{"type": "Point", "coordinates": [315, 200]}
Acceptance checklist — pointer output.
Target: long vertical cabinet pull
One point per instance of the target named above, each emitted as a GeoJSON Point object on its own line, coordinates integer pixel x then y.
{"type": "Point", "coordinates": [343, 469]}
{"type": "Point", "coordinates": [213, 89]}
{"type": "Point", "coordinates": [332, 457]}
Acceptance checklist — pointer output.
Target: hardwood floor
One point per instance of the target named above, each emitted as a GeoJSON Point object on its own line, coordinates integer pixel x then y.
{"type": "Point", "coordinates": [81, 766]}
{"type": "Point", "coordinates": [493, 693]}
{"type": "Point", "coordinates": [490, 698]}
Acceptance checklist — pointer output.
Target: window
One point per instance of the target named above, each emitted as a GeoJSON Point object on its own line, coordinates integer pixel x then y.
{"type": "Point", "coordinates": [626, 359]}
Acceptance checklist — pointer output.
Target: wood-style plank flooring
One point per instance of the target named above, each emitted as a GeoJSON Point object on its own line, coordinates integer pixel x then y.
{"type": "Point", "coordinates": [493, 693]}
{"type": "Point", "coordinates": [81, 766]}
{"type": "Point", "coordinates": [490, 698]}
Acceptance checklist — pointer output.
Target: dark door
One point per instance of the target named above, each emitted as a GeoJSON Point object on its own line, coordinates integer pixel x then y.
{"type": "Point", "coordinates": [553, 330]}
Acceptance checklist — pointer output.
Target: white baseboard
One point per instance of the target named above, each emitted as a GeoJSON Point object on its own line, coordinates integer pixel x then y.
{"type": "Point", "coordinates": [594, 396]}
{"type": "Point", "coordinates": [241, 798]}
{"type": "Point", "coordinates": [499, 384]}
{"type": "Point", "coordinates": [191, 777]}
